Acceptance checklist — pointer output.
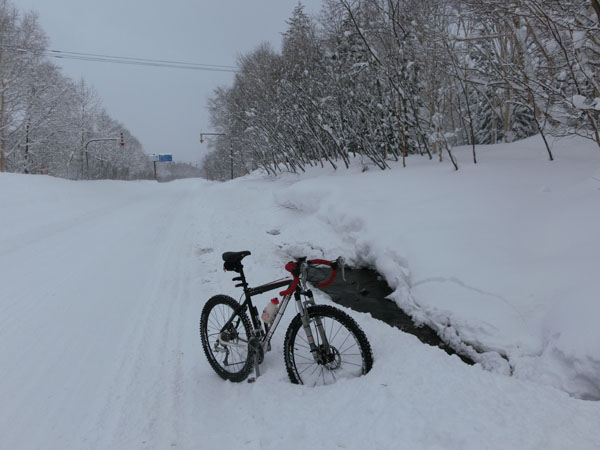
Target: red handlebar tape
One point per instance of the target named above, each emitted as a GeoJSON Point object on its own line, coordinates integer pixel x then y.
{"type": "Point", "coordinates": [292, 265]}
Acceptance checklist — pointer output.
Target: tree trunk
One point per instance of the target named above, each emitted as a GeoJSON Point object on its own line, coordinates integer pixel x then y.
{"type": "Point", "coordinates": [451, 157]}
{"type": "Point", "coordinates": [26, 168]}
{"type": "Point", "coordinates": [596, 6]}
{"type": "Point", "coordinates": [3, 156]}
{"type": "Point", "coordinates": [466, 91]}
{"type": "Point", "coordinates": [494, 120]}
{"type": "Point", "coordinates": [2, 135]}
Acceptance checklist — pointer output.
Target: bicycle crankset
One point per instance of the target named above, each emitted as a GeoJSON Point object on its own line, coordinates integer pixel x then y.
{"type": "Point", "coordinates": [256, 348]}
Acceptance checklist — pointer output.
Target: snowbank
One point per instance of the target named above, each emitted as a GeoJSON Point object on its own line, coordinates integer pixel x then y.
{"type": "Point", "coordinates": [500, 257]}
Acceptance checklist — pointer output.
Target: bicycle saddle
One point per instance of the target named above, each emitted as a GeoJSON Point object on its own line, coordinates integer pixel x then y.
{"type": "Point", "coordinates": [234, 258]}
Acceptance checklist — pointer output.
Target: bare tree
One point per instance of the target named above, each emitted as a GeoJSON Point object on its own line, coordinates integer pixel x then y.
{"type": "Point", "coordinates": [21, 44]}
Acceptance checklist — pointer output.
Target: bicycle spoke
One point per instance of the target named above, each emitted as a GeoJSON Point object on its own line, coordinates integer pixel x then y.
{"type": "Point", "coordinates": [236, 364]}
{"type": "Point", "coordinates": [331, 330]}
{"type": "Point", "coordinates": [303, 346]}
{"type": "Point", "coordinates": [353, 364]}
{"type": "Point", "coordinates": [314, 364]}
{"type": "Point", "coordinates": [342, 344]}
{"type": "Point", "coordinates": [307, 358]}
{"type": "Point", "coordinates": [338, 330]}
{"type": "Point", "coordinates": [333, 375]}
{"type": "Point", "coordinates": [305, 340]}
{"type": "Point", "coordinates": [211, 321]}
{"type": "Point", "coordinates": [352, 344]}
{"type": "Point", "coordinates": [317, 377]}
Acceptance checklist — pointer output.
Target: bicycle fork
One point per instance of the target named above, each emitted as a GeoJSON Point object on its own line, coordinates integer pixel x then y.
{"type": "Point", "coordinates": [323, 348]}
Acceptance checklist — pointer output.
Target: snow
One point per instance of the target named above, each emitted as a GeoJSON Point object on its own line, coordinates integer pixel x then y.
{"type": "Point", "coordinates": [103, 283]}
{"type": "Point", "coordinates": [580, 102]}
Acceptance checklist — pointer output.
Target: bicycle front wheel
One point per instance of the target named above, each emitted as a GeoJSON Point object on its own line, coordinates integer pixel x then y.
{"type": "Point", "coordinates": [225, 335]}
{"type": "Point", "coordinates": [342, 349]}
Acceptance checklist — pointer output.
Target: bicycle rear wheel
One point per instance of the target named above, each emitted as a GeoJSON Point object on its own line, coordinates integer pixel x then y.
{"type": "Point", "coordinates": [226, 347]}
{"type": "Point", "coordinates": [349, 353]}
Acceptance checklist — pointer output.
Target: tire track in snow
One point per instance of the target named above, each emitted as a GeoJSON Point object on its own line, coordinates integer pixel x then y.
{"type": "Point", "coordinates": [150, 411]}
{"type": "Point", "coordinates": [115, 415]}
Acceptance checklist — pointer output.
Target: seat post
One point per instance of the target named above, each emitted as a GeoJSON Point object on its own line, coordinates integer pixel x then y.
{"type": "Point", "coordinates": [243, 277]}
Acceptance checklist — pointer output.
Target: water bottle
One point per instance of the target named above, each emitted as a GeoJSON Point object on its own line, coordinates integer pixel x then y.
{"type": "Point", "coordinates": [270, 311]}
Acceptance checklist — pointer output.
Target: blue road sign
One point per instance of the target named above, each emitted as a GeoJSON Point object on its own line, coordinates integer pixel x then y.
{"type": "Point", "coordinates": [165, 158]}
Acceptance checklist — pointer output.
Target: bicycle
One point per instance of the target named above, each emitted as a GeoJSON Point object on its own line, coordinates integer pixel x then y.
{"type": "Point", "coordinates": [332, 346]}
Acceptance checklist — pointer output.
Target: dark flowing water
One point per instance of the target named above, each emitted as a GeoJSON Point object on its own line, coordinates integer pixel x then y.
{"type": "Point", "coordinates": [365, 291]}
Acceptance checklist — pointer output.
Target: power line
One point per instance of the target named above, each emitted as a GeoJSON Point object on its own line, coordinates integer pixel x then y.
{"type": "Point", "coordinates": [214, 66]}
{"type": "Point", "coordinates": [61, 54]}
{"type": "Point", "coordinates": [151, 63]}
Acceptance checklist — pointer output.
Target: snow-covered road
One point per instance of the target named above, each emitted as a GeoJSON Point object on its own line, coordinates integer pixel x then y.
{"type": "Point", "coordinates": [95, 320]}
{"type": "Point", "coordinates": [102, 284]}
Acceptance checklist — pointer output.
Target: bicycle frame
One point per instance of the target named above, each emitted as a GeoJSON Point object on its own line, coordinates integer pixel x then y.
{"type": "Point", "coordinates": [250, 292]}
{"type": "Point", "coordinates": [297, 288]}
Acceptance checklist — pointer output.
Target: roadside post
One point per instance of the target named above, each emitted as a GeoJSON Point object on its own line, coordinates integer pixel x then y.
{"type": "Point", "coordinates": [166, 157]}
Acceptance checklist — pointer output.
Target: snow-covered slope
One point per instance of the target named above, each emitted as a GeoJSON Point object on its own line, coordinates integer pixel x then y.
{"type": "Point", "coordinates": [103, 284]}
{"type": "Point", "coordinates": [503, 255]}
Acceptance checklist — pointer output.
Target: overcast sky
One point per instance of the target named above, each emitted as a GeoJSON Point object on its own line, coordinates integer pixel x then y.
{"type": "Point", "coordinates": [164, 108]}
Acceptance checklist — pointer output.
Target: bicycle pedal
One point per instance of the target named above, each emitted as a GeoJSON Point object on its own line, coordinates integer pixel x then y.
{"type": "Point", "coordinates": [251, 380]}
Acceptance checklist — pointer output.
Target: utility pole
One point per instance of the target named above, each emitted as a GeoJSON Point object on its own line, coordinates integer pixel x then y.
{"type": "Point", "coordinates": [230, 147]}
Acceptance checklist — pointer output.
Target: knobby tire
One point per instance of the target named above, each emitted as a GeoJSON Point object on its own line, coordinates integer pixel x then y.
{"type": "Point", "coordinates": [351, 355]}
{"type": "Point", "coordinates": [230, 363]}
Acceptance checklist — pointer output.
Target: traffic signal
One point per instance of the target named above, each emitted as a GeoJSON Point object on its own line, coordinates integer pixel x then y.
{"type": "Point", "coordinates": [122, 140]}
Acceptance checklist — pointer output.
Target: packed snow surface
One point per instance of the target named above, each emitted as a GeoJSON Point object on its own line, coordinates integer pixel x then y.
{"type": "Point", "coordinates": [102, 285]}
